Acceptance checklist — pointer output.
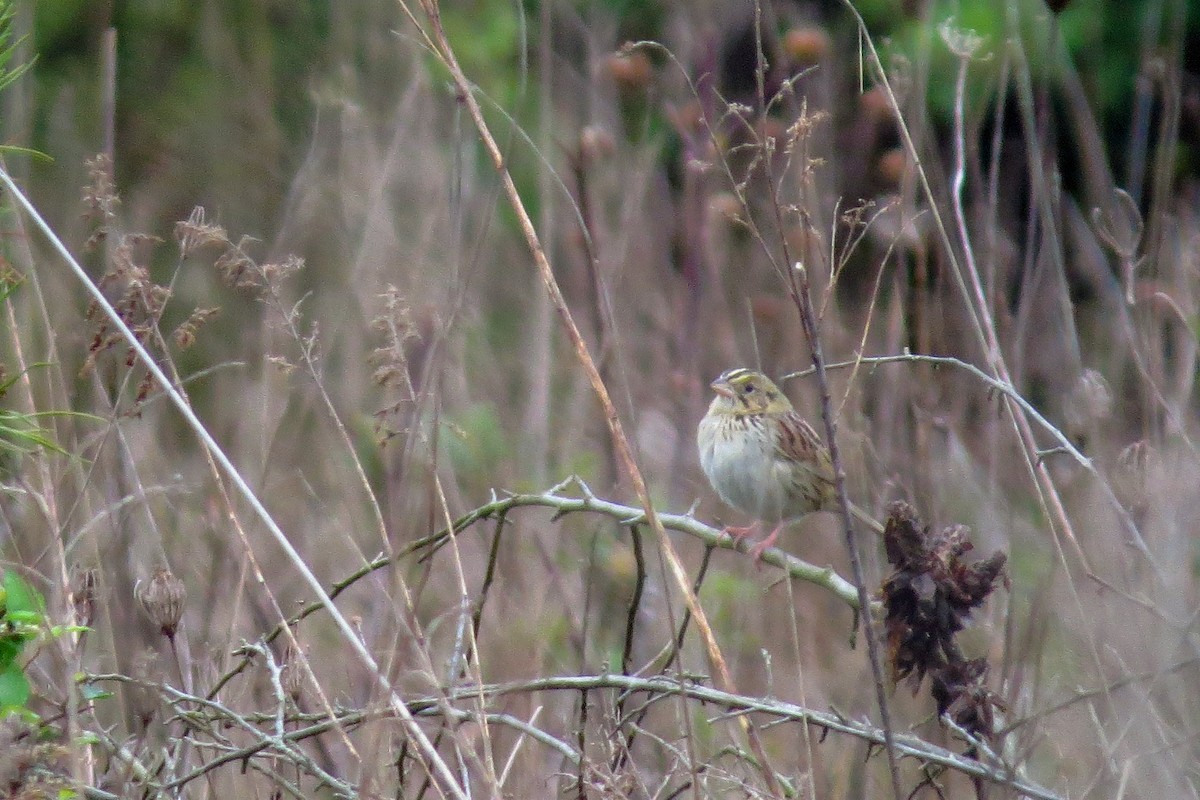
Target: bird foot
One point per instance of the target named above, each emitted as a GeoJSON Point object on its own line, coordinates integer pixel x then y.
{"type": "Point", "coordinates": [739, 532]}
{"type": "Point", "coordinates": [757, 551]}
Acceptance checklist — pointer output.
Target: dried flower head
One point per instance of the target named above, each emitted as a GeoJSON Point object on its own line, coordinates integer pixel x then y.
{"type": "Point", "coordinates": [292, 673]}
{"type": "Point", "coordinates": [144, 700]}
{"type": "Point", "coordinates": [195, 232]}
{"type": "Point", "coordinates": [236, 267]}
{"type": "Point", "coordinates": [931, 592]}
{"type": "Point", "coordinates": [162, 599]}
{"type": "Point", "coordinates": [185, 335]}
{"type": "Point", "coordinates": [83, 594]}
{"type": "Point", "coordinates": [807, 45]}
{"type": "Point", "coordinates": [1137, 471]}
{"type": "Point", "coordinates": [961, 694]}
{"type": "Point", "coordinates": [396, 324]}
{"type": "Point", "coordinates": [1089, 401]}
{"type": "Point", "coordinates": [100, 198]}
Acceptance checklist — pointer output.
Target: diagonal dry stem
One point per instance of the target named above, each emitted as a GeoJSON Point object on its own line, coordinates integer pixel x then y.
{"type": "Point", "coordinates": [432, 760]}
{"type": "Point", "coordinates": [624, 451]}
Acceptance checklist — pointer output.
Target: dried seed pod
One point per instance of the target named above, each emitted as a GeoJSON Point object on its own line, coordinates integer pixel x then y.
{"type": "Point", "coordinates": [595, 144]}
{"type": "Point", "coordinates": [631, 70]}
{"type": "Point", "coordinates": [143, 699]}
{"type": "Point", "coordinates": [1137, 470]}
{"type": "Point", "coordinates": [1089, 401]}
{"type": "Point", "coordinates": [162, 599]}
{"type": "Point", "coordinates": [807, 45]}
{"type": "Point", "coordinates": [961, 692]}
{"type": "Point", "coordinates": [292, 674]}
{"type": "Point", "coordinates": [931, 592]}
{"type": "Point", "coordinates": [83, 594]}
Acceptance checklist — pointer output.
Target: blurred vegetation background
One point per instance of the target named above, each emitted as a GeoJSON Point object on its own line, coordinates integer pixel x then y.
{"type": "Point", "coordinates": [412, 365]}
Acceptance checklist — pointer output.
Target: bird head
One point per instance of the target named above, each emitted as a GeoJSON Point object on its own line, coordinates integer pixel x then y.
{"type": "Point", "coordinates": [743, 391]}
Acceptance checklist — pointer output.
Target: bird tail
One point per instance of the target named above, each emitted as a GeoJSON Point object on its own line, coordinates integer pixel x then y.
{"type": "Point", "coordinates": [875, 525]}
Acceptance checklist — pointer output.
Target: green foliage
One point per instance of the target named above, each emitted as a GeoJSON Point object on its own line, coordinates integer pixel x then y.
{"type": "Point", "coordinates": [476, 442]}
{"type": "Point", "coordinates": [8, 47]}
{"type": "Point", "coordinates": [21, 616]}
{"type": "Point", "coordinates": [487, 38]}
{"type": "Point", "coordinates": [726, 596]}
{"type": "Point", "coordinates": [22, 433]}
{"type": "Point", "coordinates": [1104, 50]}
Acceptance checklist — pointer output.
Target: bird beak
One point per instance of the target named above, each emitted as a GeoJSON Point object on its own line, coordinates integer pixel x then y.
{"type": "Point", "coordinates": [722, 388]}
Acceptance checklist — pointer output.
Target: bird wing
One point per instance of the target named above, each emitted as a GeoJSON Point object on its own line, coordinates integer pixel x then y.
{"type": "Point", "coordinates": [797, 439]}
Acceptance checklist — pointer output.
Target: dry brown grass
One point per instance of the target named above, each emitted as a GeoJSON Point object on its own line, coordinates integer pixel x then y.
{"type": "Point", "coordinates": [411, 369]}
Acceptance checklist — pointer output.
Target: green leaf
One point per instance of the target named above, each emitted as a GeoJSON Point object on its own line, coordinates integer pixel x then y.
{"type": "Point", "coordinates": [14, 689]}
{"type": "Point", "coordinates": [24, 618]}
{"type": "Point", "coordinates": [22, 599]}
{"type": "Point", "coordinates": [16, 150]}
{"type": "Point", "coordinates": [58, 631]}
{"type": "Point", "coordinates": [10, 648]}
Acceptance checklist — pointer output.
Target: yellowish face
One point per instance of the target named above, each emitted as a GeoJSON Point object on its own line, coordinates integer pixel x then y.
{"type": "Point", "coordinates": [742, 391]}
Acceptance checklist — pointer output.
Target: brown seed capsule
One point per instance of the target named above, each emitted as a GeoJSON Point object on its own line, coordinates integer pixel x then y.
{"type": "Point", "coordinates": [1089, 401]}
{"type": "Point", "coordinates": [891, 166]}
{"type": "Point", "coordinates": [1137, 471]}
{"type": "Point", "coordinates": [292, 677]}
{"type": "Point", "coordinates": [162, 598]}
{"type": "Point", "coordinates": [631, 70]}
{"type": "Point", "coordinates": [806, 45]}
{"type": "Point", "coordinates": [83, 594]}
{"type": "Point", "coordinates": [595, 144]}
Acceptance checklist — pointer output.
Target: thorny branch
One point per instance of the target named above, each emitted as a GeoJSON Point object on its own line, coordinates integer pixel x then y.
{"type": "Point", "coordinates": [207, 716]}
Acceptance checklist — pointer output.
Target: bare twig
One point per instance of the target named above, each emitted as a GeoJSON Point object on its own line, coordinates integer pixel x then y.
{"type": "Point", "coordinates": [1004, 387]}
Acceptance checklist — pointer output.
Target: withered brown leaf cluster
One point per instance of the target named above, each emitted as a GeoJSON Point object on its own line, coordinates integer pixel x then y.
{"type": "Point", "coordinates": [928, 598]}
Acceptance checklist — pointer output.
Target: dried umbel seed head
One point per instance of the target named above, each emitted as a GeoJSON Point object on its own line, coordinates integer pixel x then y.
{"type": "Point", "coordinates": [1137, 471]}
{"type": "Point", "coordinates": [960, 690]}
{"type": "Point", "coordinates": [595, 144]}
{"type": "Point", "coordinates": [162, 598]}
{"type": "Point", "coordinates": [931, 592]}
{"type": "Point", "coordinates": [143, 699]}
{"type": "Point", "coordinates": [630, 69]}
{"type": "Point", "coordinates": [892, 165]}
{"type": "Point", "coordinates": [806, 45]}
{"type": "Point", "coordinates": [1089, 401]}
{"type": "Point", "coordinates": [292, 675]}
{"type": "Point", "coordinates": [83, 594]}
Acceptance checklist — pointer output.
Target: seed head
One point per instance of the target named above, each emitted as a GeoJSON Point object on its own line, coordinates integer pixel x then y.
{"type": "Point", "coordinates": [83, 594]}
{"type": "Point", "coordinates": [162, 599]}
{"type": "Point", "coordinates": [292, 678]}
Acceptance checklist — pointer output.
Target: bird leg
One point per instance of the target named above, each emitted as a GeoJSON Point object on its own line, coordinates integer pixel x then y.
{"type": "Point", "coordinates": [739, 532]}
{"type": "Point", "coordinates": [762, 547]}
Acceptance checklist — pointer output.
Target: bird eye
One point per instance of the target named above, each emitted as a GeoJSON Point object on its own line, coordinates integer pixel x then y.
{"type": "Point", "coordinates": [748, 388]}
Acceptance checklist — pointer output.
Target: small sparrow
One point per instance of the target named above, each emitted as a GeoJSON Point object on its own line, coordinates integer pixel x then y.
{"type": "Point", "coordinates": [762, 457]}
